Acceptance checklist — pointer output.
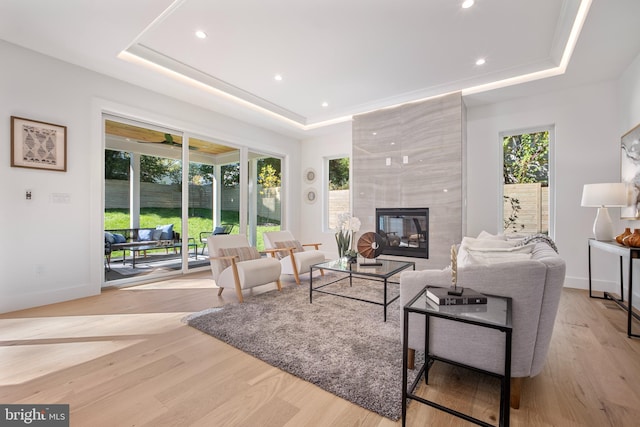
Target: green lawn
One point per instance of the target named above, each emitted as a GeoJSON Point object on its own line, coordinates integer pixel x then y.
{"type": "Point", "coordinates": [200, 220]}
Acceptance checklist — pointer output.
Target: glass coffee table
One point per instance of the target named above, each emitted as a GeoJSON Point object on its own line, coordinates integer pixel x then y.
{"type": "Point", "coordinates": [381, 273]}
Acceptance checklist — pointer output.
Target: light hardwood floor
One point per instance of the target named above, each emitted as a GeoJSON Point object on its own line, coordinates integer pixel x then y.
{"type": "Point", "coordinates": [124, 358]}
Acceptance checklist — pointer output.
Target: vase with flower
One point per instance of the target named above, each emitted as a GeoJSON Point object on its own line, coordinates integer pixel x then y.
{"type": "Point", "coordinates": [347, 225]}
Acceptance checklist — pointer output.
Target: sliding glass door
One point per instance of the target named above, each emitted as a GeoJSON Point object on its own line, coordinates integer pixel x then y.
{"type": "Point", "coordinates": [142, 205]}
{"type": "Point", "coordinates": [213, 202]}
{"type": "Point", "coordinates": [264, 196]}
{"type": "Point", "coordinates": [158, 213]}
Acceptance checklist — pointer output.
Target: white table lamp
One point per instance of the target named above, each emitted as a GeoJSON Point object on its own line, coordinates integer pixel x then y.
{"type": "Point", "coordinates": [602, 196]}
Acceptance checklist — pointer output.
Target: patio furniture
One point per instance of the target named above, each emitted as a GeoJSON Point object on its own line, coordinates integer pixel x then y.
{"type": "Point", "coordinates": [143, 240]}
{"type": "Point", "coordinates": [221, 229]}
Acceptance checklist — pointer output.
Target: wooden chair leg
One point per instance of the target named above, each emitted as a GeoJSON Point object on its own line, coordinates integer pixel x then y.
{"type": "Point", "coordinates": [220, 291]}
{"type": "Point", "coordinates": [411, 358]}
{"type": "Point", "coordinates": [279, 284]}
{"type": "Point", "coordinates": [516, 390]}
{"type": "Point", "coordinates": [236, 279]}
{"type": "Point", "coordinates": [295, 268]}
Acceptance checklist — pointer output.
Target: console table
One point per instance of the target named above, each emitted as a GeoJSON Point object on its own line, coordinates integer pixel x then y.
{"type": "Point", "coordinates": [623, 252]}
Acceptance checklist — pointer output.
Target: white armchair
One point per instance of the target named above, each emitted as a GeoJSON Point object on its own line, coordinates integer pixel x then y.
{"type": "Point", "coordinates": [236, 264]}
{"type": "Point", "coordinates": [297, 260]}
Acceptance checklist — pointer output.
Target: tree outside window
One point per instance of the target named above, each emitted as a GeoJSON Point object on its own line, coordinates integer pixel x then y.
{"type": "Point", "coordinates": [338, 189]}
{"type": "Point", "coordinates": [526, 182]}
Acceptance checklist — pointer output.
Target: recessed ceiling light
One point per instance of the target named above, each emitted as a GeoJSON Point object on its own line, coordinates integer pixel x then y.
{"type": "Point", "coordinates": [201, 34]}
{"type": "Point", "coordinates": [374, 133]}
{"type": "Point", "coordinates": [278, 77]}
{"type": "Point", "coordinates": [481, 61]}
{"type": "Point", "coordinates": [466, 4]}
{"type": "Point", "coordinates": [325, 104]}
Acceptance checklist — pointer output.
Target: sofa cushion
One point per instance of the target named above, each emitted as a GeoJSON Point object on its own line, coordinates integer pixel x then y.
{"type": "Point", "coordinates": [119, 238]}
{"type": "Point", "coordinates": [243, 253]}
{"type": "Point", "coordinates": [167, 232]}
{"type": "Point", "coordinates": [498, 255]}
{"type": "Point", "coordinates": [251, 273]}
{"type": "Point", "coordinates": [480, 244]}
{"type": "Point", "coordinates": [145, 235]}
{"type": "Point", "coordinates": [157, 235]}
{"type": "Point", "coordinates": [295, 244]}
{"type": "Point", "coordinates": [488, 236]}
{"type": "Point", "coordinates": [109, 237]}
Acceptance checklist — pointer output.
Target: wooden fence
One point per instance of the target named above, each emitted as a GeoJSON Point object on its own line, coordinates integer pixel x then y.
{"type": "Point", "coordinates": [200, 196]}
{"type": "Point", "coordinates": [534, 207]}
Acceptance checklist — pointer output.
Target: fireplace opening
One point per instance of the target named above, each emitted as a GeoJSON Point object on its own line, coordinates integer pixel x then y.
{"type": "Point", "coordinates": [405, 231]}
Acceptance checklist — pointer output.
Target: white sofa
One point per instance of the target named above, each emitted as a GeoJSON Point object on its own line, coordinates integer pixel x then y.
{"type": "Point", "coordinates": [535, 286]}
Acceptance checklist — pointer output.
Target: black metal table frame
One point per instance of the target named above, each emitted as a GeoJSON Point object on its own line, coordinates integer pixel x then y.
{"type": "Point", "coordinates": [623, 252]}
{"type": "Point", "coordinates": [505, 380]}
{"type": "Point", "coordinates": [376, 277]}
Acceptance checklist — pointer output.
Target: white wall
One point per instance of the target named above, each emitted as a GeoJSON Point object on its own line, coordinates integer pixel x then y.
{"type": "Point", "coordinates": [334, 142]}
{"type": "Point", "coordinates": [628, 90]}
{"type": "Point", "coordinates": [586, 150]}
{"type": "Point", "coordinates": [53, 252]}
{"type": "Point", "coordinates": [629, 98]}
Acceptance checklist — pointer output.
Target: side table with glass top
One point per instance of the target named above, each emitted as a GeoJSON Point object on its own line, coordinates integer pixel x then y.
{"type": "Point", "coordinates": [496, 316]}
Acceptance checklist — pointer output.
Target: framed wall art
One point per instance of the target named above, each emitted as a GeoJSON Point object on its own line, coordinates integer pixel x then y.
{"type": "Point", "coordinates": [630, 171]}
{"type": "Point", "coordinates": [38, 145]}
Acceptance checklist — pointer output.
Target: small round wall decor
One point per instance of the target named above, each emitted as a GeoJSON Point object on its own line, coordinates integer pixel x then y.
{"type": "Point", "coordinates": [310, 175]}
{"type": "Point", "coordinates": [311, 195]}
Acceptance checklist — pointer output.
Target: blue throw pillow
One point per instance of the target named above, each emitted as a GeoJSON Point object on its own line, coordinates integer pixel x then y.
{"type": "Point", "coordinates": [167, 231]}
{"type": "Point", "coordinates": [145, 235]}
{"type": "Point", "coordinates": [157, 235]}
{"type": "Point", "coordinates": [218, 230]}
{"type": "Point", "coordinates": [108, 237]}
{"type": "Point", "coordinates": [119, 238]}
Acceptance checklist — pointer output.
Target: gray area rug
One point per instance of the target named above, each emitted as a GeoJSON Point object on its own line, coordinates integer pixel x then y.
{"type": "Point", "coordinates": [341, 345]}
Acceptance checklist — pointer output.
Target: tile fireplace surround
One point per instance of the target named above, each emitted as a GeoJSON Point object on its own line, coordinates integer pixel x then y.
{"type": "Point", "coordinates": [413, 156]}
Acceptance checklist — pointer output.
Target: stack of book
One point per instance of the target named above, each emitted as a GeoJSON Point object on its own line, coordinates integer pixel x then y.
{"type": "Point", "coordinates": [441, 296]}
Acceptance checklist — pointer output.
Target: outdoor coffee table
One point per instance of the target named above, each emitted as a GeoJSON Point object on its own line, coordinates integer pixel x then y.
{"type": "Point", "coordinates": [380, 273]}
{"type": "Point", "coordinates": [141, 247]}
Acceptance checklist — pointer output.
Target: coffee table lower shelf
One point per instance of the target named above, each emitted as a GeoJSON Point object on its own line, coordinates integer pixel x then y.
{"type": "Point", "coordinates": [379, 273]}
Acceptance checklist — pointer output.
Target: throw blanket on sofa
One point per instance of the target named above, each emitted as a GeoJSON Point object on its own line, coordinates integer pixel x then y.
{"type": "Point", "coordinates": [535, 238]}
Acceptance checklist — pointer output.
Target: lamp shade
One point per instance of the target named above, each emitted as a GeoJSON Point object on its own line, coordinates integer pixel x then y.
{"type": "Point", "coordinates": [613, 194]}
